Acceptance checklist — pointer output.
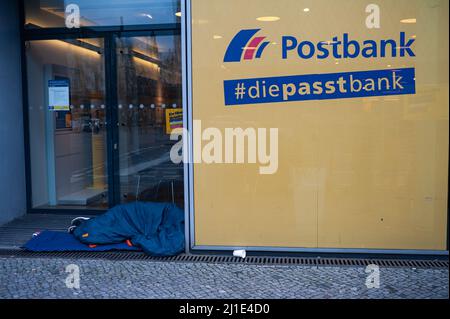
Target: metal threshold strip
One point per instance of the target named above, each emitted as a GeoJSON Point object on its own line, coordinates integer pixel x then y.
{"type": "Point", "coordinates": [251, 260]}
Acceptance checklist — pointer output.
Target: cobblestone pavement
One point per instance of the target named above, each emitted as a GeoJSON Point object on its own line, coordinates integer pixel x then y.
{"type": "Point", "coordinates": [45, 278]}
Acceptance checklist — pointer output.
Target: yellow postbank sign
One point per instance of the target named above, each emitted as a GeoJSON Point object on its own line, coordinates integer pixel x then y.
{"type": "Point", "coordinates": [360, 98]}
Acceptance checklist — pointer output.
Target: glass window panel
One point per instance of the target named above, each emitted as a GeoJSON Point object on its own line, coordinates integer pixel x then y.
{"type": "Point", "coordinates": [149, 96]}
{"type": "Point", "coordinates": [51, 13]}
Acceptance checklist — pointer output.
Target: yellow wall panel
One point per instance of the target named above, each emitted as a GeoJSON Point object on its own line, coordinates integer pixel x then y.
{"type": "Point", "coordinates": [353, 173]}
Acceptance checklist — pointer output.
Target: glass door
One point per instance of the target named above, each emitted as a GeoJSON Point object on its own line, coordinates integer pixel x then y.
{"type": "Point", "coordinates": [148, 109]}
{"type": "Point", "coordinates": [101, 112]}
{"type": "Point", "coordinates": [67, 126]}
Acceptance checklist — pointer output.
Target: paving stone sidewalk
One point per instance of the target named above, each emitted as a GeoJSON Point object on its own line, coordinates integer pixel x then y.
{"type": "Point", "coordinates": [45, 278]}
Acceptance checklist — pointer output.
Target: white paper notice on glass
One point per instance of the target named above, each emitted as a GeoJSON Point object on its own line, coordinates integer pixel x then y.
{"type": "Point", "coordinates": [58, 95]}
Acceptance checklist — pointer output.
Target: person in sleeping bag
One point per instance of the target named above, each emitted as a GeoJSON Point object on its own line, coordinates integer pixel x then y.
{"type": "Point", "coordinates": [156, 228]}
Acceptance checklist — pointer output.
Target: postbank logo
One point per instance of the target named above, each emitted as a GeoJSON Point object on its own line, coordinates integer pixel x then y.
{"type": "Point", "coordinates": [275, 88]}
{"type": "Point", "coordinates": [245, 45]}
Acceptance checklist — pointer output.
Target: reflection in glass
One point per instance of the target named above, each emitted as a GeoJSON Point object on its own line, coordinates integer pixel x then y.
{"type": "Point", "coordinates": [149, 95]}
{"type": "Point", "coordinates": [51, 13]}
{"type": "Point", "coordinates": [67, 140]}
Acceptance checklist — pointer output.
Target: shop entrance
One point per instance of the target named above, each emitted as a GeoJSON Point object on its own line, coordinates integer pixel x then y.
{"type": "Point", "coordinates": [101, 106]}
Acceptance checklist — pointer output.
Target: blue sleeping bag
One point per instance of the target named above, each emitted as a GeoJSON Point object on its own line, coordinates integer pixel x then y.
{"type": "Point", "coordinates": [50, 240]}
{"type": "Point", "coordinates": [156, 228]}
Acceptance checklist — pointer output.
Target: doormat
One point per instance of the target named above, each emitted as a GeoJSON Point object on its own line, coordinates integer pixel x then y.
{"type": "Point", "coordinates": [49, 241]}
